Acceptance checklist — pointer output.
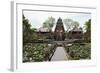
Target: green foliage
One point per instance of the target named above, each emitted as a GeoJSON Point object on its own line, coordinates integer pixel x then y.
{"type": "Point", "coordinates": [87, 34]}
{"type": "Point", "coordinates": [76, 24]}
{"type": "Point", "coordinates": [77, 51]}
{"type": "Point", "coordinates": [70, 24]}
{"type": "Point", "coordinates": [35, 52]}
{"type": "Point", "coordinates": [28, 32]}
{"type": "Point", "coordinates": [88, 25]}
{"type": "Point", "coordinates": [49, 23]}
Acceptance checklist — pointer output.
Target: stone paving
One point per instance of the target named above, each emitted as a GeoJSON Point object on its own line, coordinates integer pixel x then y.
{"type": "Point", "coordinates": [60, 54]}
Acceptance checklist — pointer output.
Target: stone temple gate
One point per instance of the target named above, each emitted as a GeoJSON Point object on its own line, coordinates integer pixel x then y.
{"type": "Point", "coordinates": [59, 33]}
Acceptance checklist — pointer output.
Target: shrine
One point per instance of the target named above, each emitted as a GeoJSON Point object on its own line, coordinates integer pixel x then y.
{"type": "Point", "coordinates": [59, 33]}
{"type": "Point", "coordinates": [76, 33]}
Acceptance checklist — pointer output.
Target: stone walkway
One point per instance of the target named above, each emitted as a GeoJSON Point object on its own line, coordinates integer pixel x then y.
{"type": "Point", "coordinates": [60, 54]}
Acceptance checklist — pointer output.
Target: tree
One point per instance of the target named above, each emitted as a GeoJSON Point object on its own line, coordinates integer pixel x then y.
{"type": "Point", "coordinates": [27, 31]}
{"type": "Point", "coordinates": [87, 34]}
{"type": "Point", "coordinates": [76, 24]}
{"type": "Point", "coordinates": [26, 25]}
{"type": "Point", "coordinates": [70, 24]}
{"type": "Point", "coordinates": [49, 23]}
{"type": "Point", "coordinates": [88, 25]}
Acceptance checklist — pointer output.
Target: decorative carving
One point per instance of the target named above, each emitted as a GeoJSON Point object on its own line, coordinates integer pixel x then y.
{"type": "Point", "coordinates": [59, 33]}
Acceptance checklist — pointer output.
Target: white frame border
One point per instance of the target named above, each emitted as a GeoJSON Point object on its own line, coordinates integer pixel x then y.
{"type": "Point", "coordinates": [16, 60]}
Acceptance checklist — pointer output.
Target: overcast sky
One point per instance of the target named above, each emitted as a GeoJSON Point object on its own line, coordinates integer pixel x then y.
{"type": "Point", "coordinates": [36, 18]}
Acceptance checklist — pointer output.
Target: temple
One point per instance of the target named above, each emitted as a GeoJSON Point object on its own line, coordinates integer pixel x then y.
{"type": "Point", "coordinates": [59, 33]}
{"type": "Point", "coordinates": [75, 33]}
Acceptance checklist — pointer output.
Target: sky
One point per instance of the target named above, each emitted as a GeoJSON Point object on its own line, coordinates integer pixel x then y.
{"type": "Point", "coordinates": [36, 18]}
